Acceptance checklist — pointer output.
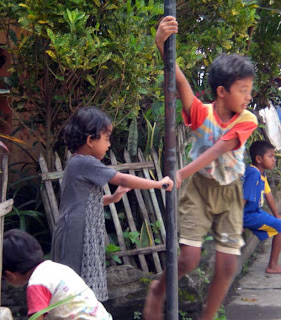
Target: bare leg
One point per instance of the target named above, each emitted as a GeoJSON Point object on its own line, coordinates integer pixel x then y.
{"type": "Point", "coordinates": [273, 266]}
{"type": "Point", "coordinates": [154, 303]}
{"type": "Point", "coordinates": [226, 265]}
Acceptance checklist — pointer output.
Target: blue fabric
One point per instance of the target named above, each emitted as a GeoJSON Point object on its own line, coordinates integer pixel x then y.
{"type": "Point", "coordinates": [256, 221]}
{"type": "Point", "coordinates": [253, 188]}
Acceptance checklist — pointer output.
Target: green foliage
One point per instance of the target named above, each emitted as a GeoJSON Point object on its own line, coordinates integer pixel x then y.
{"type": "Point", "coordinates": [27, 213]}
{"type": "Point", "coordinates": [137, 315]}
{"type": "Point", "coordinates": [111, 248]}
{"type": "Point", "coordinates": [208, 29]}
{"type": "Point", "coordinates": [72, 53]}
{"type": "Point", "coordinates": [265, 50]}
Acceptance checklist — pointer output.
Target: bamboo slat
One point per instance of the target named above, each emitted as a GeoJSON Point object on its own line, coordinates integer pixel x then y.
{"type": "Point", "coordinates": [130, 217]}
{"type": "Point", "coordinates": [58, 166]}
{"type": "Point", "coordinates": [146, 250]}
{"type": "Point", "coordinates": [4, 184]}
{"type": "Point", "coordinates": [154, 200]}
{"type": "Point", "coordinates": [158, 172]}
{"type": "Point", "coordinates": [5, 207]}
{"type": "Point", "coordinates": [117, 224]}
{"type": "Point", "coordinates": [46, 176]}
{"type": "Point", "coordinates": [50, 190]}
{"type": "Point", "coordinates": [145, 216]}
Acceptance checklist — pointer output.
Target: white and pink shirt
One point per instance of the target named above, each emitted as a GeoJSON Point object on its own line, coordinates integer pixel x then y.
{"type": "Point", "coordinates": [53, 282]}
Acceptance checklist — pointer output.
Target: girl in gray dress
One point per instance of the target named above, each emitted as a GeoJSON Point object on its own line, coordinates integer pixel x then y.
{"type": "Point", "coordinates": [78, 239]}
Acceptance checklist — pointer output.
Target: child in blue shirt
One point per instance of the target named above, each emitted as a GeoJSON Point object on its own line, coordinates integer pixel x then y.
{"type": "Point", "coordinates": [255, 188]}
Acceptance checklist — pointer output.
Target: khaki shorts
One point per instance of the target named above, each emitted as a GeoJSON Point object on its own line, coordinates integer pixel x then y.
{"type": "Point", "coordinates": [206, 205]}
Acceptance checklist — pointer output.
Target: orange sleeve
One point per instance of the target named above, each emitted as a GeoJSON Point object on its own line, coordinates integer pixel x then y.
{"type": "Point", "coordinates": [242, 131]}
{"type": "Point", "coordinates": [198, 114]}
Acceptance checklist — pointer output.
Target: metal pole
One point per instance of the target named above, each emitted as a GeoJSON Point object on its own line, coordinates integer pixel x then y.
{"type": "Point", "coordinates": [170, 167]}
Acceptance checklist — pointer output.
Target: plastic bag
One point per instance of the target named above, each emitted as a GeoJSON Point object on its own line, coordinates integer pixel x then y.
{"type": "Point", "coordinates": [272, 125]}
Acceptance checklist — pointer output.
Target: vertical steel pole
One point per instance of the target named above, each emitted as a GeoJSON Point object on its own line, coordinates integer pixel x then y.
{"type": "Point", "coordinates": [170, 167]}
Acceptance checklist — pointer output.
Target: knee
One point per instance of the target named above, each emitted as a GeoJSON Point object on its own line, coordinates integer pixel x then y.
{"type": "Point", "coordinates": [189, 259]}
{"type": "Point", "coordinates": [227, 268]}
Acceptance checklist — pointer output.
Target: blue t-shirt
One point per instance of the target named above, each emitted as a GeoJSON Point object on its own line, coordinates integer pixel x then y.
{"type": "Point", "coordinates": [254, 186]}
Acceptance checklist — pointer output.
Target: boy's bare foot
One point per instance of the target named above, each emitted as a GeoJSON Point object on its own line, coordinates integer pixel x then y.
{"type": "Point", "coordinates": [154, 304]}
{"type": "Point", "coordinates": [273, 270]}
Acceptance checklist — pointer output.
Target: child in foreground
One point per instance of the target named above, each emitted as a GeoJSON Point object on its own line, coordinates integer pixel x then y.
{"type": "Point", "coordinates": [255, 188]}
{"type": "Point", "coordinates": [47, 282]}
{"type": "Point", "coordinates": [78, 239]}
{"type": "Point", "coordinates": [212, 196]}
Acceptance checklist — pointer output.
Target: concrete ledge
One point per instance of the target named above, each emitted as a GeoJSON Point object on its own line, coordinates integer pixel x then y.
{"type": "Point", "coordinates": [251, 243]}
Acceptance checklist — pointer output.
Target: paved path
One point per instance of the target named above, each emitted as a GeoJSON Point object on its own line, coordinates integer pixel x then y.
{"type": "Point", "coordinates": [257, 295]}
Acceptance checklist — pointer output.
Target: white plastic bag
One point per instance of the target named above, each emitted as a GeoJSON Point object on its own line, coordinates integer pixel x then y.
{"type": "Point", "coordinates": [272, 125]}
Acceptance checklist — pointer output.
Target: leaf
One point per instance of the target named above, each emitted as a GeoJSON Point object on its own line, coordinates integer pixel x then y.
{"type": "Point", "coordinates": [52, 54]}
{"type": "Point", "coordinates": [97, 3]}
{"type": "Point", "coordinates": [12, 139]}
{"type": "Point", "coordinates": [110, 248]}
{"type": "Point", "coordinates": [145, 236]}
{"type": "Point", "coordinates": [149, 140]}
{"type": "Point", "coordinates": [133, 138]}
{"type": "Point", "coordinates": [24, 5]}
{"type": "Point", "coordinates": [13, 36]}
{"type": "Point", "coordinates": [70, 15]}
{"type": "Point", "coordinates": [53, 306]}
{"type": "Point", "coordinates": [91, 80]}
{"type": "Point", "coordinates": [116, 258]}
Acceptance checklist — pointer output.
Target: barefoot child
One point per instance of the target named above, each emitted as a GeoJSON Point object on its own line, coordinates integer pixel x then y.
{"type": "Point", "coordinates": [47, 282]}
{"type": "Point", "coordinates": [78, 239]}
{"type": "Point", "coordinates": [212, 196]}
{"type": "Point", "coordinates": [255, 187]}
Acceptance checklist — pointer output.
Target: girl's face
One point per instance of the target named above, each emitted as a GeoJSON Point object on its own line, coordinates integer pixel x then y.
{"type": "Point", "coordinates": [100, 146]}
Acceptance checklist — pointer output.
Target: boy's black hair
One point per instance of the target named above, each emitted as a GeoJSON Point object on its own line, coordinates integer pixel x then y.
{"type": "Point", "coordinates": [21, 251]}
{"type": "Point", "coordinates": [259, 148]}
{"type": "Point", "coordinates": [88, 121]}
{"type": "Point", "coordinates": [227, 68]}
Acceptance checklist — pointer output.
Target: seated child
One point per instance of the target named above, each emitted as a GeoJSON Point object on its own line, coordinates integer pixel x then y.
{"type": "Point", "coordinates": [47, 282]}
{"type": "Point", "coordinates": [255, 187]}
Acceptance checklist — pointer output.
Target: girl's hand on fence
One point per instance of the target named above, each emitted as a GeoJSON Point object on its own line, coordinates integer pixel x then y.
{"type": "Point", "coordinates": [119, 193]}
{"type": "Point", "coordinates": [167, 183]}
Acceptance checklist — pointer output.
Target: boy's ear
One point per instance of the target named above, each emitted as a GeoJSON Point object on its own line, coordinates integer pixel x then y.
{"type": "Point", "coordinates": [10, 276]}
{"type": "Point", "coordinates": [220, 91]}
{"type": "Point", "coordinates": [258, 159]}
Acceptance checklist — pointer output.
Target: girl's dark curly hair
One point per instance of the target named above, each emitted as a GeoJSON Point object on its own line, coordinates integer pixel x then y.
{"type": "Point", "coordinates": [88, 121]}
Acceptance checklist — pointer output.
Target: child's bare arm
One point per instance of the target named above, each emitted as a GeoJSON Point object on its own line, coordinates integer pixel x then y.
{"type": "Point", "coordinates": [134, 182]}
{"type": "Point", "coordinates": [116, 196]}
{"type": "Point", "coordinates": [271, 203]}
{"type": "Point", "coordinates": [219, 148]}
{"type": "Point", "coordinates": [169, 26]}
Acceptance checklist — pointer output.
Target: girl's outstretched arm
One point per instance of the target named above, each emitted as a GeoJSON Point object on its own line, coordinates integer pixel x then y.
{"type": "Point", "coordinates": [134, 182]}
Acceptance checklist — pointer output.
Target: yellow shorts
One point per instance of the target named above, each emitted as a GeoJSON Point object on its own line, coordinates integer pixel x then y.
{"type": "Point", "coordinates": [206, 205]}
